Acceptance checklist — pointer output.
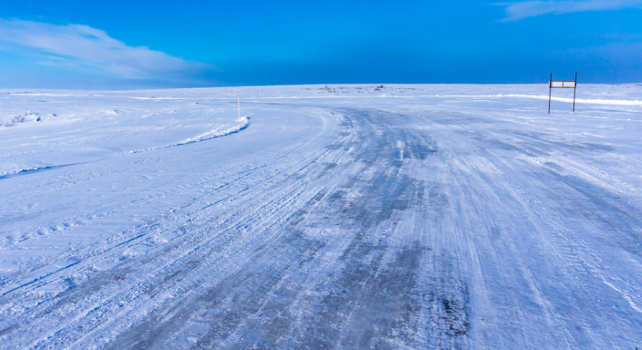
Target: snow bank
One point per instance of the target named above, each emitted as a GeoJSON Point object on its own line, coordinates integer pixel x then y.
{"type": "Point", "coordinates": [244, 122]}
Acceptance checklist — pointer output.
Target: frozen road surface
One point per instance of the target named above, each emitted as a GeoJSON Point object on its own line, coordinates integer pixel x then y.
{"type": "Point", "coordinates": [357, 217]}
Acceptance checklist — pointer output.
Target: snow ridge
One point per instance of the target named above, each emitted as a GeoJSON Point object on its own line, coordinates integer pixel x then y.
{"type": "Point", "coordinates": [244, 123]}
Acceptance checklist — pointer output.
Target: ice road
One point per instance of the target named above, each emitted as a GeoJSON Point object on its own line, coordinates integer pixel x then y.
{"type": "Point", "coordinates": [357, 217]}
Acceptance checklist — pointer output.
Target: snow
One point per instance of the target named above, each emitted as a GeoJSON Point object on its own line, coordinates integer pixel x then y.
{"type": "Point", "coordinates": [357, 216]}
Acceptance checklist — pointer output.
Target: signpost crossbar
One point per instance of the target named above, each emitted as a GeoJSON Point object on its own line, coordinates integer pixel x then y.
{"type": "Point", "coordinates": [561, 84]}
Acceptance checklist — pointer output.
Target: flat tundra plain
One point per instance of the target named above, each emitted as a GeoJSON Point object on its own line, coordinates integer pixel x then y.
{"type": "Point", "coordinates": [340, 216]}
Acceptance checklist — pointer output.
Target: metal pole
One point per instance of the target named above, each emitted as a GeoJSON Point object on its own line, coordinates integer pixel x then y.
{"type": "Point", "coordinates": [549, 93]}
{"type": "Point", "coordinates": [574, 91]}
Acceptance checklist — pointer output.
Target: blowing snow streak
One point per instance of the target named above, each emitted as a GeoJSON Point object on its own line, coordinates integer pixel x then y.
{"type": "Point", "coordinates": [343, 217]}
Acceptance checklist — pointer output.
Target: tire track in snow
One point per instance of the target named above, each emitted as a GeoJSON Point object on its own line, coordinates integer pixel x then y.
{"type": "Point", "coordinates": [285, 166]}
{"type": "Point", "coordinates": [265, 292]}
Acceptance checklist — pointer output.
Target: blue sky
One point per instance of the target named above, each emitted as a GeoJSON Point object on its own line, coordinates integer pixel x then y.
{"type": "Point", "coordinates": [146, 44]}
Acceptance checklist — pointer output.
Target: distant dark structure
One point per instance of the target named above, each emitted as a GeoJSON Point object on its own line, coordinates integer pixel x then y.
{"type": "Point", "coordinates": [568, 84]}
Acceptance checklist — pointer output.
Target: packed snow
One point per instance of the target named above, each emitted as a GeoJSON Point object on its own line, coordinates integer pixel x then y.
{"type": "Point", "coordinates": [340, 216]}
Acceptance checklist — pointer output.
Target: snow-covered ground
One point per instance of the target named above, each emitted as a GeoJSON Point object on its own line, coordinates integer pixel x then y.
{"type": "Point", "coordinates": [408, 216]}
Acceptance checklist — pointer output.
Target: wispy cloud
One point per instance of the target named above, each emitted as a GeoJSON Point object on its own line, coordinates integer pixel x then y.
{"type": "Point", "coordinates": [81, 45]}
{"type": "Point", "coordinates": [520, 10]}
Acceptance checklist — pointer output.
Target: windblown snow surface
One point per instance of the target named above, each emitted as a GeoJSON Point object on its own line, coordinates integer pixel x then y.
{"type": "Point", "coordinates": [407, 216]}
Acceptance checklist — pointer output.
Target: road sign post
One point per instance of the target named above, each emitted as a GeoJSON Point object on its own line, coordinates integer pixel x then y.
{"type": "Point", "coordinates": [561, 84]}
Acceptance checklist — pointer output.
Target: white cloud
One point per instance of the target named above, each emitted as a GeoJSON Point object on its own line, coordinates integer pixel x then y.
{"type": "Point", "coordinates": [520, 10]}
{"type": "Point", "coordinates": [81, 45]}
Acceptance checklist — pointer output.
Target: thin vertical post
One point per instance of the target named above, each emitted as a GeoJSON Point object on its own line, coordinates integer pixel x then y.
{"type": "Point", "coordinates": [549, 93]}
{"type": "Point", "coordinates": [239, 104]}
{"type": "Point", "coordinates": [574, 91]}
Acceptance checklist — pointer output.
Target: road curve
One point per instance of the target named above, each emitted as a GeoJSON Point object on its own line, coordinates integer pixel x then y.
{"type": "Point", "coordinates": [376, 229]}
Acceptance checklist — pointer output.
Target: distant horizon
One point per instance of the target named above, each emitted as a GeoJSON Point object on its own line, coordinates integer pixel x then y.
{"type": "Point", "coordinates": [579, 84]}
{"type": "Point", "coordinates": [111, 46]}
